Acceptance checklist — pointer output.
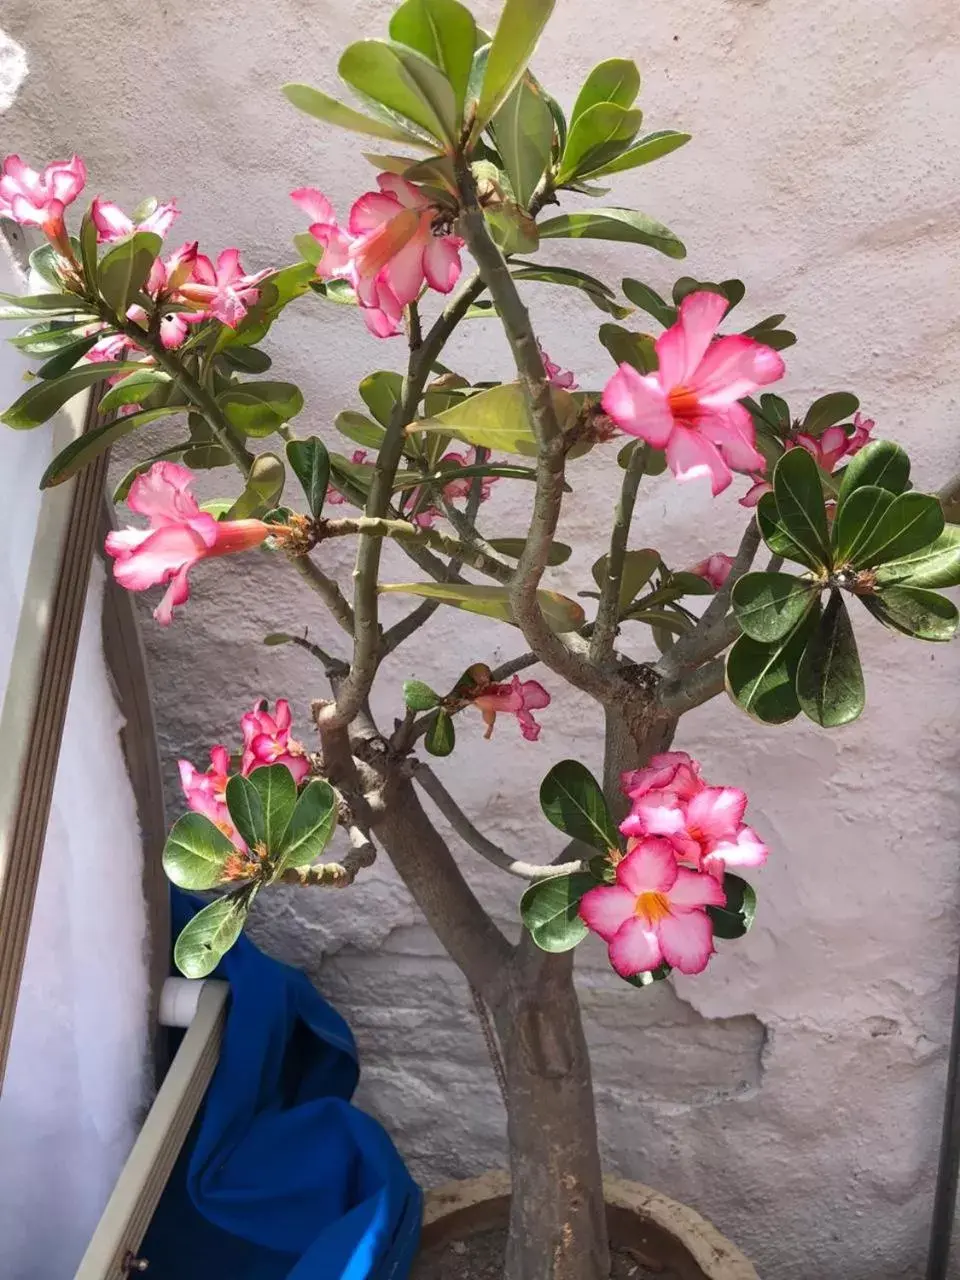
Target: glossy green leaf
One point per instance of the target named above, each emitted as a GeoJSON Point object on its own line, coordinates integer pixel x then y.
{"type": "Point", "coordinates": [769, 605]}
{"type": "Point", "coordinates": [47, 262]}
{"type": "Point", "coordinates": [616, 80]}
{"type": "Point", "coordinates": [309, 249]}
{"type": "Point", "coordinates": [91, 444]}
{"type": "Point", "coordinates": [381, 392]}
{"type": "Point", "coordinates": [561, 613]}
{"type": "Point", "coordinates": [440, 738]}
{"type": "Point", "coordinates": [322, 107]}
{"type": "Point", "coordinates": [359, 429]}
{"type": "Point", "coordinates": [278, 794]}
{"type": "Point", "coordinates": [516, 36]}
{"type": "Point", "coordinates": [523, 130]}
{"type": "Point", "coordinates": [853, 526]}
{"type": "Point", "coordinates": [443, 31]}
{"type": "Point", "coordinates": [196, 852]}
{"type": "Point", "coordinates": [88, 249]}
{"type": "Point", "coordinates": [828, 411]}
{"type": "Point", "coordinates": [559, 552]}
{"type": "Point", "coordinates": [258, 408]}
{"type": "Point", "coordinates": [446, 470]}
{"type": "Point", "coordinates": [418, 696]}
{"type": "Point", "coordinates": [573, 800]}
{"type": "Point", "coordinates": [652, 147]}
{"type": "Point", "coordinates": [626, 347]}
{"type": "Point", "coordinates": [246, 811]}
{"type": "Point", "coordinates": [911, 521]}
{"type": "Point", "coordinates": [735, 918]}
{"type": "Point", "coordinates": [513, 231]}
{"type": "Point", "coordinates": [598, 136]}
{"type": "Point", "coordinates": [24, 306]}
{"type": "Point", "coordinates": [262, 491]}
{"type": "Point", "coordinates": [352, 479]}
{"type": "Point", "coordinates": [403, 81]}
{"type": "Point", "coordinates": [881, 463]}
{"type": "Point", "coordinates": [761, 678]}
{"type": "Point", "coordinates": [211, 933]}
{"type": "Point", "coordinates": [42, 400]}
{"type": "Point", "coordinates": [800, 507]}
{"type": "Point", "coordinates": [625, 225]}
{"type": "Point", "coordinates": [914, 611]}
{"type": "Point", "coordinates": [124, 269]}
{"type": "Point", "coordinates": [134, 388]}
{"type": "Point", "coordinates": [66, 358]}
{"type": "Point", "coordinates": [599, 294]}
{"type": "Point", "coordinates": [246, 359]}
{"type": "Point", "coordinates": [496, 419]}
{"type": "Point", "coordinates": [829, 683]}
{"type": "Point", "coordinates": [310, 463]}
{"type": "Point", "coordinates": [311, 825]}
{"type": "Point", "coordinates": [48, 336]}
{"type": "Point", "coordinates": [935, 565]}
{"type": "Point", "coordinates": [550, 910]}
{"type": "Point", "coordinates": [639, 566]}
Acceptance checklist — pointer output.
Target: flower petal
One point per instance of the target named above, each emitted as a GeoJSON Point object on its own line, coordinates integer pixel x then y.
{"type": "Point", "coordinates": [651, 867]}
{"type": "Point", "coordinates": [314, 204]}
{"type": "Point", "coordinates": [410, 197]}
{"type": "Point", "coordinates": [371, 211]}
{"type": "Point", "coordinates": [441, 263]}
{"type": "Point", "coordinates": [110, 220]}
{"type": "Point", "coordinates": [404, 272]}
{"type": "Point", "coordinates": [691, 456]}
{"type": "Point", "coordinates": [159, 557]}
{"type": "Point", "coordinates": [745, 849]}
{"type": "Point", "coordinates": [717, 812]}
{"type": "Point", "coordinates": [635, 949]}
{"type": "Point", "coordinates": [606, 908]}
{"type": "Point", "coordinates": [734, 367]}
{"type": "Point", "coordinates": [687, 940]}
{"type": "Point", "coordinates": [681, 348]}
{"type": "Point", "coordinates": [731, 430]}
{"type": "Point", "coordinates": [693, 889]}
{"type": "Point", "coordinates": [639, 405]}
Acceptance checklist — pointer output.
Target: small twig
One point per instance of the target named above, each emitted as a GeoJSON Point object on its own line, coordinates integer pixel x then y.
{"type": "Point", "coordinates": [326, 589]}
{"type": "Point", "coordinates": [477, 841]}
{"type": "Point", "coordinates": [434, 539]}
{"type": "Point", "coordinates": [336, 875]}
{"type": "Point", "coordinates": [333, 665]}
{"type": "Point", "coordinates": [608, 610]}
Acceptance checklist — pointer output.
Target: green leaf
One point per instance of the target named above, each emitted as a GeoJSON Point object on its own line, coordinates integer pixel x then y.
{"type": "Point", "coordinates": [881, 463]}
{"type": "Point", "coordinates": [259, 408]}
{"type": "Point", "coordinates": [49, 336]}
{"type": "Point", "coordinates": [380, 392]}
{"type": "Point", "coordinates": [246, 359]}
{"type": "Point", "coordinates": [907, 524]}
{"type": "Point", "coordinates": [211, 933]}
{"type": "Point", "coordinates": [561, 613]}
{"type": "Point", "coordinates": [799, 493]}
{"type": "Point", "coordinates": [419, 696]}
{"type": "Point", "coordinates": [856, 521]}
{"type": "Point", "coordinates": [626, 347]}
{"type": "Point", "coordinates": [88, 250]}
{"type": "Point", "coordinates": [617, 80]}
{"type": "Point", "coordinates": [133, 389]}
{"type": "Point", "coordinates": [359, 429]}
{"type": "Point", "coordinates": [322, 107]}
{"type": "Point", "coordinates": [559, 552]}
{"type": "Point", "coordinates": [352, 479]}
{"type": "Point", "coordinates": [639, 567]}
{"type": "Point", "coordinates": [47, 263]}
{"type": "Point", "coordinates": [448, 470]}
{"type": "Point", "coordinates": [443, 31]}
{"type": "Point", "coordinates": [650, 148]}
{"type": "Point", "coordinates": [829, 410]}
{"type": "Point", "coordinates": [647, 299]}
{"type": "Point", "coordinates": [313, 822]}
{"type": "Point", "coordinates": [278, 794]}
{"type": "Point", "coordinates": [440, 738]}
{"type": "Point", "coordinates": [769, 605]}
{"type": "Point", "coordinates": [648, 978]}
{"type": "Point", "coordinates": [124, 269]}
{"type": "Point", "coordinates": [761, 678]}
{"type": "Point", "coordinates": [91, 444]}
{"type": "Point", "coordinates": [625, 225]}
{"type": "Point", "coordinates": [523, 130]}
{"type": "Point", "coordinates": [935, 565]}
{"type": "Point", "coordinates": [310, 463]}
{"type": "Point", "coordinates": [262, 491]}
{"type": "Point", "coordinates": [516, 36]}
{"type": "Point", "coordinates": [21, 306]}
{"type": "Point", "coordinates": [66, 357]}
{"type": "Point", "coordinates": [775, 534]}
{"type": "Point", "coordinates": [403, 81]}
{"type": "Point", "coordinates": [309, 249]}
{"type": "Point", "coordinates": [598, 136]}
{"type": "Point", "coordinates": [195, 853]}
{"type": "Point", "coordinates": [735, 918]}
{"type": "Point", "coordinates": [829, 678]}
{"type": "Point", "coordinates": [599, 294]}
{"type": "Point", "coordinates": [42, 400]}
{"type": "Point", "coordinates": [497, 419]}
{"type": "Point", "coordinates": [246, 810]}
{"type": "Point", "coordinates": [550, 909]}
{"type": "Point", "coordinates": [573, 800]}
{"type": "Point", "coordinates": [925, 615]}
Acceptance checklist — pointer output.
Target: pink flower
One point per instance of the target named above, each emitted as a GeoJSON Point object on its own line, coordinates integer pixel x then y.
{"type": "Point", "coordinates": [334, 496]}
{"type": "Point", "coordinates": [114, 346]}
{"type": "Point", "coordinates": [706, 829]}
{"type": "Point", "coordinates": [266, 740]}
{"type": "Point", "coordinates": [672, 771]}
{"type": "Point", "coordinates": [206, 793]}
{"type": "Point", "coordinates": [862, 428]}
{"type": "Point", "coordinates": [715, 569]}
{"type": "Point", "coordinates": [113, 224]}
{"type": "Point", "coordinates": [828, 451]}
{"type": "Point", "coordinates": [655, 913]}
{"type": "Point", "coordinates": [690, 406]}
{"type": "Point", "coordinates": [169, 273]}
{"type": "Point", "coordinates": [756, 491]}
{"type": "Point", "coordinates": [388, 251]}
{"type": "Point", "coordinates": [424, 519]}
{"type": "Point", "coordinates": [518, 698]}
{"type": "Point", "coordinates": [556, 376]}
{"type": "Point", "coordinates": [180, 535]}
{"type": "Point", "coordinates": [39, 199]}
{"type": "Point", "coordinates": [225, 290]}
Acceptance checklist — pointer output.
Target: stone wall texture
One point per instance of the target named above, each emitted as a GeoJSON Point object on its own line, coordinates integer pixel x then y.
{"type": "Point", "coordinates": [794, 1092]}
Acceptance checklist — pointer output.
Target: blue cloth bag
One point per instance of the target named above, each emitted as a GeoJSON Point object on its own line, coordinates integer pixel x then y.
{"type": "Point", "coordinates": [282, 1178]}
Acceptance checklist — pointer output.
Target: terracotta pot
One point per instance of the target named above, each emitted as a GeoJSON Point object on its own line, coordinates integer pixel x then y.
{"type": "Point", "coordinates": [657, 1229]}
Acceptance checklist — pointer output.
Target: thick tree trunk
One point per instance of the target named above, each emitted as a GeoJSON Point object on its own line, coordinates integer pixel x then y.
{"type": "Point", "coordinates": [557, 1217]}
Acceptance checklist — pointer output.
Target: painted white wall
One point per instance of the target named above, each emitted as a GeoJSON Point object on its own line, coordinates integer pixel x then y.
{"type": "Point", "coordinates": [793, 1093]}
{"type": "Point", "coordinates": [76, 1082]}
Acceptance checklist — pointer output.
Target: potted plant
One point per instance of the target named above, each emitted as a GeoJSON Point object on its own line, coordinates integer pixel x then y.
{"type": "Point", "coordinates": [472, 153]}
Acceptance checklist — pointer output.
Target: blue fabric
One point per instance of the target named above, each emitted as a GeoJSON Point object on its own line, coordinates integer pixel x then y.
{"type": "Point", "coordinates": [282, 1178]}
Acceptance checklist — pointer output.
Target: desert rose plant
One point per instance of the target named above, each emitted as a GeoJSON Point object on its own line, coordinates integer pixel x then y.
{"type": "Point", "coordinates": [472, 154]}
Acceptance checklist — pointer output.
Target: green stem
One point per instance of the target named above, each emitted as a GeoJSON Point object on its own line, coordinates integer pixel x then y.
{"type": "Point", "coordinates": [371, 527]}
{"type": "Point", "coordinates": [608, 610]}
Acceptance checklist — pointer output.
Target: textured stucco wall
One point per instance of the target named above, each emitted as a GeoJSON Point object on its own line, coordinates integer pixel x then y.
{"type": "Point", "coordinates": [793, 1093]}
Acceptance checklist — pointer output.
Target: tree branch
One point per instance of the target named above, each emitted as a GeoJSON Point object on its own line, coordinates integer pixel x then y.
{"type": "Point", "coordinates": [695, 688]}
{"type": "Point", "coordinates": [477, 841]}
{"type": "Point", "coordinates": [336, 875]}
{"type": "Point", "coordinates": [435, 539]}
{"type": "Point", "coordinates": [608, 610]}
{"type": "Point", "coordinates": [326, 589]}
